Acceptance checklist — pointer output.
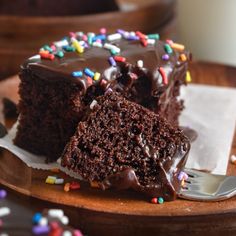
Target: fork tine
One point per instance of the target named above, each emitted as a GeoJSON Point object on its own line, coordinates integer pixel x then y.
{"type": "Point", "coordinates": [194, 173]}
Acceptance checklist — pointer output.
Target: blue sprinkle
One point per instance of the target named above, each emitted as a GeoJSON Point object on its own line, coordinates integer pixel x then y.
{"type": "Point", "coordinates": [112, 61]}
{"type": "Point", "coordinates": [77, 73]}
{"type": "Point", "coordinates": [99, 36]}
{"type": "Point", "coordinates": [132, 37]}
{"type": "Point", "coordinates": [36, 218]}
{"type": "Point", "coordinates": [88, 72]}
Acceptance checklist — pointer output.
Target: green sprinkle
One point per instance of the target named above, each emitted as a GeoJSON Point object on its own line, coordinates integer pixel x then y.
{"type": "Point", "coordinates": [90, 40]}
{"type": "Point", "coordinates": [154, 36]}
{"type": "Point", "coordinates": [168, 48]}
{"type": "Point", "coordinates": [114, 52]}
{"type": "Point", "coordinates": [60, 54]}
{"type": "Point", "coordinates": [160, 200]}
{"type": "Point", "coordinates": [46, 47]}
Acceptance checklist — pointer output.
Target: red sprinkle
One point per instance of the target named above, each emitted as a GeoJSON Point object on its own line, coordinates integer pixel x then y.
{"type": "Point", "coordinates": [46, 55]}
{"type": "Point", "coordinates": [120, 59]}
{"type": "Point", "coordinates": [163, 75]}
{"type": "Point", "coordinates": [140, 35]}
{"type": "Point", "coordinates": [154, 200]}
{"type": "Point", "coordinates": [144, 42]}
{"type": "Point", "coordinates": [74, 185]}
{"type": "Point", "coordinates": [90, 80]}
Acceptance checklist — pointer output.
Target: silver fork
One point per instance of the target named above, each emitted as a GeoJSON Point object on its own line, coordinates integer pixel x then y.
{"type": "Point", "coordinates": [201, 186]}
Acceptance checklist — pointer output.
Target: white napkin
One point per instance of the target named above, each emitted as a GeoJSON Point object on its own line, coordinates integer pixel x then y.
{"type": "Point", "coordinates": [210, 110]}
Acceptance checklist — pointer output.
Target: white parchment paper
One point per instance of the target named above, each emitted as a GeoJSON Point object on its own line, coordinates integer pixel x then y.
{"type": "Point", "coordinates": [210, 110]}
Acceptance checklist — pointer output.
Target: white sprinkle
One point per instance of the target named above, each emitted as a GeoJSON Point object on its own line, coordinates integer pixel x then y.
{"type": "Point", "coordinates": [67, 233]}
{"type": "Point", "coordinates": [58, 213]}
{"type": "Point", "coordinates": [126, 34]}
{"type": "Point", "coordinates": [132, 33]}
{"type": "Point", "coordinates": [140, 63]}
{"type": "Point", "coordinates": [233, 159]}
{"type": "Point", "coordinates": [151, 41]}
{"type": "Point", "coordinates": [59, 181]}
{"type": "Point", "coordinates": [91, 34]}
{"type": "Point", "coordinates": [111, 47]}
{"type": "Point", "coordinates": [79, 34]}
{"type": "Point", "coordinates": [65, 220]}
{"type": "Point", "coordinates": [61, 43]}
{"type": "Point", "coordinates": [93, 104]}
{"type": "Point", "coordinates": [82, 43]}
{"type": "Point", "coordinates": [36, 57]}
{"type": "Point", "coordinates": [43, 221]}
{"type": "Point", "coordinates": [97, 44]}
{"type": "Point", "coordinates": [113, 37]}
{"type": "Point", "coordinates": [4, 211]}
{"type": "Point", "coordinates": [3, 234]}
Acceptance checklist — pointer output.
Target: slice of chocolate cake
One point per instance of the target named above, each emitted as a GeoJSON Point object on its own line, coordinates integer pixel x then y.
{"type": "Point", "coordinates": [58, 84]}
{"type": "Point", "coordinates": [121, 144]}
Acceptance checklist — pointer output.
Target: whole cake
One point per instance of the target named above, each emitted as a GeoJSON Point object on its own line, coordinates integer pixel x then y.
{"type": "Point", "coordinates": [124, 145]}
{"type": "Point", "coordinates": [59, 83]}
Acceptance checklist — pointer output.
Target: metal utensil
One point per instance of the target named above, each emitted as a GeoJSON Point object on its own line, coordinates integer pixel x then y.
{"type": "Point", "coordinates": [201, 186]}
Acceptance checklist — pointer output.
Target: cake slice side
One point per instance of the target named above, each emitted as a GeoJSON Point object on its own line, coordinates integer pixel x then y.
{"type": "Point", "coordinates": [123, 145]}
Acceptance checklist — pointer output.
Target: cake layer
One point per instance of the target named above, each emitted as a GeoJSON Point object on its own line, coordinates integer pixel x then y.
{"type": "Point", "coordinates": [58, 85]}
{"type": "Point", "coordinates": [121, 144]}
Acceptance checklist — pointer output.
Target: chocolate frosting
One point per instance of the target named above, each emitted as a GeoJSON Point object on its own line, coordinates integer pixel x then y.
{"type": "Point", "coordinates": [97, 60]}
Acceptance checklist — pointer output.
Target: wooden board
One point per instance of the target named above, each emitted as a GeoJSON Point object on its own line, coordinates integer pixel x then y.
{"type": "Point", "coordinates": [126, 213]}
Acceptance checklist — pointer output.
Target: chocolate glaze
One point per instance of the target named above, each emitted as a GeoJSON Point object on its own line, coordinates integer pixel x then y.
{"type": "Point", "coordinates": [147, 90]}
{"type": "Point", "coordinates": [168, 188]}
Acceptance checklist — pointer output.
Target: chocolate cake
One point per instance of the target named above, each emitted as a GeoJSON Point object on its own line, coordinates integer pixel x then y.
{"type": "Point", "coordinates": [58, 84]}
{"type": "Point", "coordinates": [122, 144]}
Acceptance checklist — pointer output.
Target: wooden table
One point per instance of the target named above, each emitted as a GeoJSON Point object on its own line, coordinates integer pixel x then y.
{"type": "Point", "coordinates": [175, 218]}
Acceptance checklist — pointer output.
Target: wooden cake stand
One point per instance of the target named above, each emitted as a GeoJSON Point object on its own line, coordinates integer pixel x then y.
{"type": "Point", "coordinates": [99, 212]}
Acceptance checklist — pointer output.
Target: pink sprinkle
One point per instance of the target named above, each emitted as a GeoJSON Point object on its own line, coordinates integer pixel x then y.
{"type": "Point", "coordinates": [103, 31]}
{"type": "Point", "coordinates": [99, 40]}
{"type": "Point", "coordinates": [53, 47]}
{"type": "Point", "coordinates": [1, 223]}
{"type": "Point", "coordinates": [85, 37]}
{"type": "Point", "coordinates": [169, 41]}
{"type": "Point", "coordinates": [77, 233]}
{"type": "Point", "coordinates": [72, 35]}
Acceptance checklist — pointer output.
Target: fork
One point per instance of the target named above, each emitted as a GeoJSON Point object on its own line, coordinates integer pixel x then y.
{"type": "Point", "coordinates": [201, 186]}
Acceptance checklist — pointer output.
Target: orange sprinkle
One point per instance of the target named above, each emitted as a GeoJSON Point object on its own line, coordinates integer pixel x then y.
{"type": "Point", "coordinates": [67, 187]}
{"type": "Point", "coordinates": [183, 57]}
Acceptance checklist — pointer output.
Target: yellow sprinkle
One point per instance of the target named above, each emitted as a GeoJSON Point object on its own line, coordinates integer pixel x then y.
{"type": "Point", "coordinates": [94, 184]}
{"type": "Point", "coordinates": [67, 187]}
{"type": "Point", "coordinates": [183, 57]}
{"type": "Point", "coordinates": [177, 46]}
{"type": "Point", "coordinates": [182, 182]}
{"type": "Point", "coordinates": [77, 46]}
{"type": "Point", "coordinates": [50, 180]}
{"type": "Point", "coordinates": [188, 77]}
{"type": "Point", "coordinates": [96, 76]}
